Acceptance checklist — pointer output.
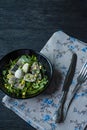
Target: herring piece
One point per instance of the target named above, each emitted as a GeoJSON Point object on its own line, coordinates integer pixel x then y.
{"type": "Point", "coordinates": [19, 74]}
{"type": "Point", "coordinates": [29, 77]}
{"type": "Point", "coordinates": [25, 67]}
{"type": "Point", "coordinates": [11, 80]}
{"type": "Point", "coordinates": [23, 59]}
{"type": "Point", "coordinates": [14, 68]}
{"type": "Point", "coordinates": [35, 68]}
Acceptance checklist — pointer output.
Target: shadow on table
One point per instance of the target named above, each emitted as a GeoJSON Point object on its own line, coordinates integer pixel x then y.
{"type": "Point", "coordinates": [55, 84]}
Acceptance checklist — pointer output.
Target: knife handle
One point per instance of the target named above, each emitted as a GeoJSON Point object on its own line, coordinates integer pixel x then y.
{"type": "Point", "coordinates": [69, 101]}
{"type": "Point", "coordinates": [60, 113]}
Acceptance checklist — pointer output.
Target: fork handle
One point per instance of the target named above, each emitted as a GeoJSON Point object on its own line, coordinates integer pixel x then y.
{"type": "Point", "coordinates": [63, 109]}
{"type": "Point", "coordinates": [69, 101]}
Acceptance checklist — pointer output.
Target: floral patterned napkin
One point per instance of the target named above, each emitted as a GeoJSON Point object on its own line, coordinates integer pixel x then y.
{"type": "Point", "coordinates": [40, 111]}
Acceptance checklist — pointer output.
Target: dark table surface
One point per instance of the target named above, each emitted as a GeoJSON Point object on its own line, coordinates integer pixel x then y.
{"type": "Point", "coordinates": [29, 24]}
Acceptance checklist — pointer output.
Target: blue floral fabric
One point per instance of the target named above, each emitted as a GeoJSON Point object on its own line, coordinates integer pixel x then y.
{"type": "Point", "coordinates": [40, 111]}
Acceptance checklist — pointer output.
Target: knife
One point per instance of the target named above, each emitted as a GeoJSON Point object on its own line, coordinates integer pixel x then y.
{"type": "Point", "coordinates": [67, 82]}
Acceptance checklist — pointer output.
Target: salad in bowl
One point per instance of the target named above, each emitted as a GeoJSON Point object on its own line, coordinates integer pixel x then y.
{"type": "Point", "coordinates": [26, 75]}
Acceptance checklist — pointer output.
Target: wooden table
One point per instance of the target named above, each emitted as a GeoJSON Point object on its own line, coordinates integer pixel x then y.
{"type": "Point", "coordinates": [29, 24]}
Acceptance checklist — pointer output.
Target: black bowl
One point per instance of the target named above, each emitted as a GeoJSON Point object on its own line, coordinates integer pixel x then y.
{"type": "Point", "coordinates": [15, 54]}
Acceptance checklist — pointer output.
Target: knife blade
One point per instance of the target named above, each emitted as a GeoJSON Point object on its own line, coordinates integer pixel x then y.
{"type": "Point", "coordinates": [66, 86]}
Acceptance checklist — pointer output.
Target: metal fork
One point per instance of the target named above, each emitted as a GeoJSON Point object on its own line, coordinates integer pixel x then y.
{"type": "Point", "coordinates": [80, 79]}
